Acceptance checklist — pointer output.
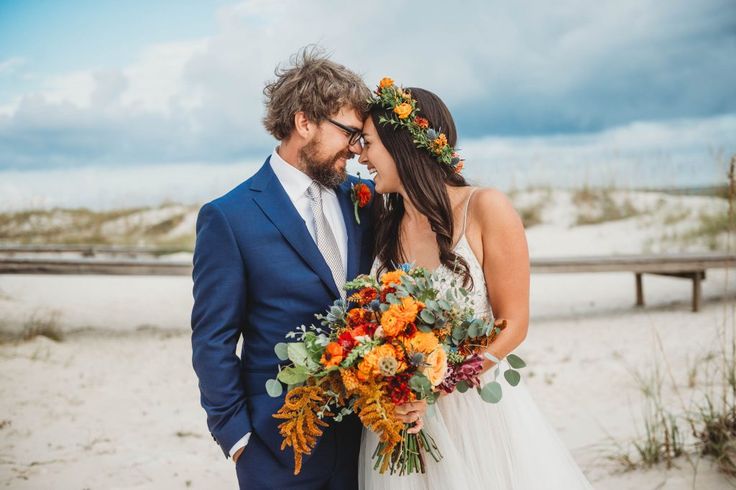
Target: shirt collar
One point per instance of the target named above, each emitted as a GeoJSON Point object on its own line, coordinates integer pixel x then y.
{"type": "Point", "coordinates": [294, 181]}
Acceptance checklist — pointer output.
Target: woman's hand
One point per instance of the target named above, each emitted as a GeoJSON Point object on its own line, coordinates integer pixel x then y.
{"type": "Point", "coordinates": [412, 412]}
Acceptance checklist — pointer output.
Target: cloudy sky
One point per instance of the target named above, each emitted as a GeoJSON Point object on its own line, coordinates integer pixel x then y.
{"type": "Point", "coordinates": [107, 84]}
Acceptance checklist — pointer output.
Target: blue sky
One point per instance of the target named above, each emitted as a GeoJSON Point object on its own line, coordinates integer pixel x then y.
{"type": "Point", "coordinates": [101, 83]}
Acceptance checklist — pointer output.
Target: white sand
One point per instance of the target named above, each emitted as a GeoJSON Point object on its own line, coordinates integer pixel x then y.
{"type": "Point", "coordinates": [117, 406]}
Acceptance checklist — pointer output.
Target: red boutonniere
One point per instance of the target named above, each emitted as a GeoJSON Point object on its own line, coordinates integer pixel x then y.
{"type": "Point", "coordinates": [360, 194]}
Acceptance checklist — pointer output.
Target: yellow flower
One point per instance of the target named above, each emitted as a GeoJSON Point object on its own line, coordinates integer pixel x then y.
{"type": "Point", "coordinates": [403, 110]}
{"type": "Point", "coordinates": [392, 277]}
{"type": "Point", "coordinates": [437, 367]}
{"type": "Point", "coordinates": [386, 82]}
{"type": "Point", "coordinates": [424, 342]}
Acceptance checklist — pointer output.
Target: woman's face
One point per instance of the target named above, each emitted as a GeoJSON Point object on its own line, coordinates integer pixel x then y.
{"type": "Point", "coordinates": [379, 161]}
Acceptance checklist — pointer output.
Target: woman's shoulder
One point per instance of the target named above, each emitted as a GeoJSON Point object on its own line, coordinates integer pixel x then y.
{"type": "Point", "coordinates": [487, 198]}
{"type": "Point", "coordinates": [491, 207]}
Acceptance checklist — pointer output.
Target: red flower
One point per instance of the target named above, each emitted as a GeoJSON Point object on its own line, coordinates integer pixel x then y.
{"type": "Point", "coordinates": [385, 292]}
{"type": "Point", "coordinates": [421, 122]}
{"type": "Point", "coordinates": [360, 194]}
{"type": "Point", "coordinates": [398, 388]}
{"type": "Point", "coordinates": [346, 340]}
{"type": "Point", "coordinates": [364, 296]}
{"type": "Point", "coordinates": [363, 194]}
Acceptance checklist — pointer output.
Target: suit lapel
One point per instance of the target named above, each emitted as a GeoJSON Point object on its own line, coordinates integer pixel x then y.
{"type": "Point", "coordinates": [351, 227]}
{"type": "Point", "coordinates": [276, 205]}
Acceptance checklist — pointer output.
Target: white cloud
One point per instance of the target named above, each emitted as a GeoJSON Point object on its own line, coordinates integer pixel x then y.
{"type": "Point", "coordinates": [520, 68]}
{"type": "Point", "coordinates": [11, 65]}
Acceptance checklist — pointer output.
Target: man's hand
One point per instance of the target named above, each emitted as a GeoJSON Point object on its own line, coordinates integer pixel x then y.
{"type": "Point", "coordinates": [237, 454]}
{"type": "Point", "coordinates": [412, 412]}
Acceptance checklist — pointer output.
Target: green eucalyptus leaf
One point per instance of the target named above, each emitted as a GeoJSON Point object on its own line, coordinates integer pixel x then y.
{"type": "Point", "coordinates": [297, 353]}
{"type": "Point", "coordinates": [274, 388]}
{"type": "Point", "coordinates": [462, 387]}
{"type": "Point", "coordinates": [427, 316]}
{"type": "Point", "coordinates": [512, 376]}
{"type": "Point", "coordinates": [292, 375]}
{"type": "Point", "coordinates": [491, 392]}
{"type": "Point", "coordinates": [515, 361]}
{"type": "Point", "coordinates": [420, 384]}
{"type": "Point", "coordinates": [281, 350]}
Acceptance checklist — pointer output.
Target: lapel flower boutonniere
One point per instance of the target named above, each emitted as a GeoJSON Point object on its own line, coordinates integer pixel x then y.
{"type": "Point", "coordinates": [360, 194]}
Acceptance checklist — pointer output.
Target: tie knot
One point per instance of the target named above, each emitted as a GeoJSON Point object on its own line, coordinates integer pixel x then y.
{"type": "Point", "coordinates": [314, 192]}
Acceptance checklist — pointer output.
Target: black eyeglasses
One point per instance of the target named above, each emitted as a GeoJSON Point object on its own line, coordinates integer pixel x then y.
{"type": "Point", "coordinates": [353, 133]}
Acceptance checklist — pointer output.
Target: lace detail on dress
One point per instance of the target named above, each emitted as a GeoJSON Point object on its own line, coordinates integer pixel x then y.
{"type": "Point", "coordinates": [443, 276]}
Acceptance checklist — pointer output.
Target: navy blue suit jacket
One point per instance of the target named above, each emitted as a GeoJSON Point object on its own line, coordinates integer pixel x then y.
{"type": "Point", "coordinates": [258, 273]}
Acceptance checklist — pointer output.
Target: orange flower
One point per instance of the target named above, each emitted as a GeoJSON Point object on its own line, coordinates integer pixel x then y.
{"type": "Point", "coordinates": [379, 360]}
{"type": "Point", "coordinates": [391, 323]}
{"type": "Point", "coordinates": [403, 110]}
{"type": "Point", "coordinates": [459, 166]}
{"type": "Point", "coordinates": [437, 366]}
{"type": "Point", "coordinates": [424, 342]}
{"type": "Point", "coordinates": [440, 141]}
{"type": "Point", "coordinates": [421, 122]}
{"type": "Point", "coordinates": [364, 194]}
{"type": "Point", "coordinates": [386, 82]}
{"type": "Point", "coordinates": [398, 315]}
{"type": "Point", "coordinates": [349, 379]}
{"type": "Point", "coordinates": [356, 316]}
{"type": "Point", "coordinates": [392, 277]}
{"type": "Point", "coordinates": [333, 355]}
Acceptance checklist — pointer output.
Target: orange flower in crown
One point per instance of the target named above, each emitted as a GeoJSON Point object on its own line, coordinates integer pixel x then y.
{"type": "Point", "coordinates": [404, 114]}
{"type": "Point", "coordinates": [421, 122]}
{"type": "Point", "coordinates": [385, 82]}
{"type": "Point", "coordinates": [403, 110]}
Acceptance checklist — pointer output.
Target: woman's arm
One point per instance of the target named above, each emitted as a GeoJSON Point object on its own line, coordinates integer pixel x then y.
{"type": "Point", "coordinates": [505, 267]}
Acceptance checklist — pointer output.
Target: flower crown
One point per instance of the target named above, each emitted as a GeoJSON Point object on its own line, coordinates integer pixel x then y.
{"type": "Point", "coordinates": [404, 110]}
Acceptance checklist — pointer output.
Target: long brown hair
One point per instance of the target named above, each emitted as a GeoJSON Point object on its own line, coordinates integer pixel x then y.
{"type": "Point", "coordinates": [424, 180]}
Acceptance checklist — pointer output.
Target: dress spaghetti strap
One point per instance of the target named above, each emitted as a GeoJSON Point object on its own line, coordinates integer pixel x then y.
{"type": "Point", "coordinates": [465, 213]}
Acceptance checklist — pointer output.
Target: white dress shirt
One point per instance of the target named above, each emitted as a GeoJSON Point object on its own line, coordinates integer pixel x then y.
{"type": "Point", "coordinates": [295, 183]}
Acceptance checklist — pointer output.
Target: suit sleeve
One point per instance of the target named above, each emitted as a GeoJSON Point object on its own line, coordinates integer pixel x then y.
{"type": "Point", "coordinates": [217, 319]}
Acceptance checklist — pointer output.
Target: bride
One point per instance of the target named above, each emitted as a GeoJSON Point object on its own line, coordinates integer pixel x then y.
{"type": "Point", "coordinates": [428, 215]}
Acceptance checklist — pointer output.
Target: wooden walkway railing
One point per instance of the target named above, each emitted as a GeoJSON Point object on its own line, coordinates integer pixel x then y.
{"type": "Point", "coordinates": [685, 266]}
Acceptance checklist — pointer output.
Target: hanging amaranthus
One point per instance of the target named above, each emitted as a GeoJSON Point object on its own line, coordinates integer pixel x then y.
{"type": "Point", "coordinates": [301, 426]}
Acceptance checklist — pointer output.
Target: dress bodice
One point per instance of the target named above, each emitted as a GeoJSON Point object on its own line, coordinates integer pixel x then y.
{"type": "Point", "coordinates": [443, 277]}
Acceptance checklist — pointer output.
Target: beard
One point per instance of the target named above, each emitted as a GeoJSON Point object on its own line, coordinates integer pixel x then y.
{"type": "Point", "coordinates": [323, 170]}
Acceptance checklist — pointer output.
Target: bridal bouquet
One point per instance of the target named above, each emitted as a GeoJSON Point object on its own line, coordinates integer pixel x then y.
{"type": "Point", "coordinates": [393, 341]}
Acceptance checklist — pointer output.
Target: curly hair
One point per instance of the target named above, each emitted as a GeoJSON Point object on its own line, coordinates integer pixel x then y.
{"type": "Point", "coordinates": [315, 85]}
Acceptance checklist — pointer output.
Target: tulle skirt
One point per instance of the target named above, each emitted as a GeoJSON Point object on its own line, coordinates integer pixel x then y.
{"type": "Point", "coordinates": [508, 445]}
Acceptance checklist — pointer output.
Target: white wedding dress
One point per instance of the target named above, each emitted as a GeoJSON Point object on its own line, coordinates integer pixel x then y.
{"type": "Point", "coordinates": [503, 446]}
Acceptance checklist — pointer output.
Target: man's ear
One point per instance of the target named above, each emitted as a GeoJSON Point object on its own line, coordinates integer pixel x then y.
{"type": "Point", "coordinates": [304, 127]}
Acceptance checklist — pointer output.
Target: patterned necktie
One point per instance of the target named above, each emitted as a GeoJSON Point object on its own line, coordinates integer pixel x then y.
{"type": "Point", "coordinates": [326, 242]}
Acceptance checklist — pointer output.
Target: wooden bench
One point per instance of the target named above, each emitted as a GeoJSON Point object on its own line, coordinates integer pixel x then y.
{"type": "Point", "coordinates": [685, 266]}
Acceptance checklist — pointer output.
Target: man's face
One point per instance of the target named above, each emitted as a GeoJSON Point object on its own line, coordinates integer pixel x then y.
{"type": "Point", "coordinates": [326, 156]}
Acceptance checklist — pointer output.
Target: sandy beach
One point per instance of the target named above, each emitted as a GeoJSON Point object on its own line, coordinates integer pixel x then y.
{"type": "Point", "coordinates": [115, 404]}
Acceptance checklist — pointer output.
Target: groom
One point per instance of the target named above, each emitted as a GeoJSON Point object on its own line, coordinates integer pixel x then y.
{"type": "Point", "coordinates": [269, 255]}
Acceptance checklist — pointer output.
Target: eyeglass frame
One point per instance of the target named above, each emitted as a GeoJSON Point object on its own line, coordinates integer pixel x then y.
{"type": "Point", "coordinates": [354, 134]}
